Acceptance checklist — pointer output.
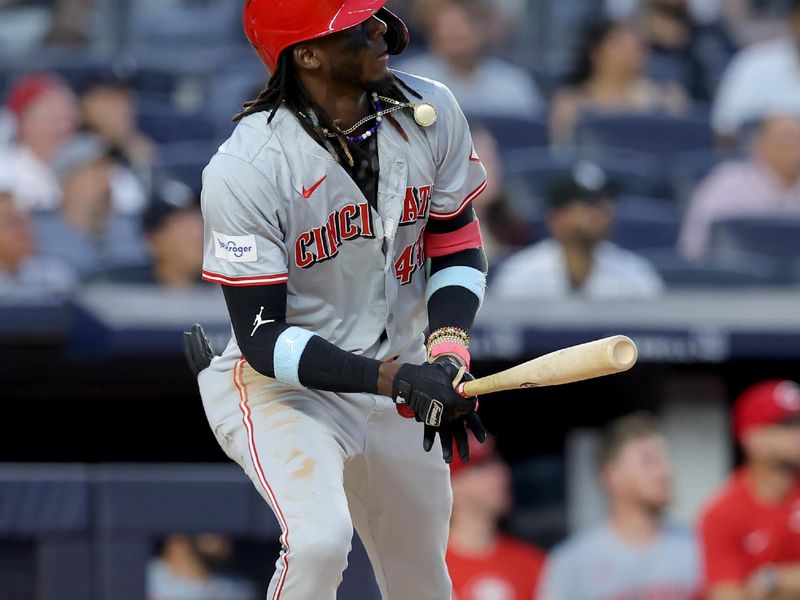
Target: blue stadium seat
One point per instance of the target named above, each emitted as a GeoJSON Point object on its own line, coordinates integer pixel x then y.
{"type": "Point", "coordinates": [513, 133]}
{"type": "Point", "coordinates": [775, 236]}
{"type": "Point", "coordinates": [646, 223]}
{"type": "Point", "coordinates": [166, 125]}
{"type": "Point", "coordinates": [734, 271]}
{"type": "Point", "coordinates": [185, 162]}
{"type": "Point", "coordinates": [660, 135]}
{"type": "Point", "coordinates": [634, 173]}
{"type": "Point", "coordinates": [154, 22]}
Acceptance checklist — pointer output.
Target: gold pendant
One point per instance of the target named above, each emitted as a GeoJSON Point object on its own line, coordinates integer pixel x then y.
{"type": "Point", "coordinates": [425, 114]}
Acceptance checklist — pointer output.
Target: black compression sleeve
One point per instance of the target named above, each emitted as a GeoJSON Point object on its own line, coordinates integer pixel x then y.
{"type": "Point", "coordinates": [323, 366]}
{"type": "Point", "coordinates": [247, 306]}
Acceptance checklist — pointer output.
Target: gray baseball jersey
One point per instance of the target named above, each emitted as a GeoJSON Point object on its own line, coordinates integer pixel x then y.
{"type": "Point", "coordinates": [279, 209]}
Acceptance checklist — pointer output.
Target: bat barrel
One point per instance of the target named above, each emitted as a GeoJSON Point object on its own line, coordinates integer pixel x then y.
{"type": "Point", "coordinates": [577, 363]}
{"type": "Point", "coordinates": [622, 352]}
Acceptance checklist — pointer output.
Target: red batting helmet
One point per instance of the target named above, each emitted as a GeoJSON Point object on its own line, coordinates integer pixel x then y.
{"type": "Point", "coordinates": [274, 25]}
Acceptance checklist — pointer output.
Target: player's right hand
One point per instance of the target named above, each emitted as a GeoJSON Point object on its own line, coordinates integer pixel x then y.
{"type": "Point", "coordinates": [428, 390]}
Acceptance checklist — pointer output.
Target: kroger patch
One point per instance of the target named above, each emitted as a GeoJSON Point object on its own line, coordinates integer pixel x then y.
{"type": "Point", "coordinates": [235, 248]}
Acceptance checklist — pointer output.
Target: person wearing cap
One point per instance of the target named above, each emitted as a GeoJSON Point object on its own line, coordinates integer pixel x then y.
{"type": "Point", "coordinates": [578, 260]}
{"type": "Point", "coordinates": [484, 563]}
{"type": "Point", "coordinates": [84, 231]}
{"type": "Point", "coordinates": [173, 228]}
{"type": "Point", "coordinates": [751, 528]}
{"type": "Point", "coordinates": [45, 113]}
{"type": "Point", "coordinates": [637, 553]}
{"type": "Point", "coordinates": [22, 271]}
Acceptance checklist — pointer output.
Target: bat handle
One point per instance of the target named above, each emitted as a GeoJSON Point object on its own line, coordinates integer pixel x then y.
{"type": "Point", "coordinates": [460, 389]}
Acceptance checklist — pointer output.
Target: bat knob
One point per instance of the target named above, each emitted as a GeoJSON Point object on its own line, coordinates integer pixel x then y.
{"type": "Point", "coordinates": [460, 390]}
{"type": "Point", "coordinates": [405, 411]}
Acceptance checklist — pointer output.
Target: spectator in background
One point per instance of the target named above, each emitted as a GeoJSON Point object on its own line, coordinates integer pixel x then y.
{"type": "Point", "coordinates": [483, 563]}
{"type": "Point", "coordinates": [609, 76]}
{"type": "Point", "coordinates": [109, 112]}
{"type": "Point", "coordinates": [84, 231]}
{"type": "Point", "coordinates": [761, 80]}
{"type": "Point", "coordinates": [751, 529]}
{"type": "Point", "coordinates": [46, 117]}
{"type": "Point", "coordinates": [22, 272]}
{"type": "Point", "coordinates": [637, 553]}
{"type": "Point", "coordinates": [768, 182]}
{"type": "Point", "coordinates": [502, 229]}
{"type": "Point", "coordinates": [173, 227]}
{"type": "Point", "coordinates": [190, 568]}
{"type": "Point", "coordinates": [483, 85]}
{"type": "Point", "coordinates": [578, 260]}
{"type": "Point", "coordinates": [71, 24]}
{"type": "Point", "coordinates": [753, 21]}
{"type": "Point", "coordinates": [683, 51]}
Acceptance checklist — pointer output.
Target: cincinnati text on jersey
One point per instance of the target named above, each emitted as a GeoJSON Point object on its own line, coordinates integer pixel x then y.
{"type": "Point", "coordinates": [353, 221]}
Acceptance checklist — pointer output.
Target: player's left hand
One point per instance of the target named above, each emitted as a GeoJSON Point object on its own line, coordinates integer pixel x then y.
{"type": "Point", "coordinates": [456, 429]}
{"type": "Point", "coordinates": [197, 349]}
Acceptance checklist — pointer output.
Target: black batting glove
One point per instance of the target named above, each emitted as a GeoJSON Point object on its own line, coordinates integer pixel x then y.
{"type": "Point", "coordinates": [428, 390]}
{"type": "Point", "coordinates": [197, 349]}
{"type": "Point", "coordinates": [455, 430]}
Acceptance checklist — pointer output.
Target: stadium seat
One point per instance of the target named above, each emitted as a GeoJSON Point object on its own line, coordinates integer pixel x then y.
{"type": "Point", "coordinates": [154, 22]}
{"type": "Point", "coordinates": [775, 236]}
{"type": "Point", "coordinates": [734, 271]}
{"type": "Point", "coordinates": [646, 223]}
{"type": "Point", "coordinates": [185, 162]}
{"type": "Point", "coordinates": [634, 173]}
{"type": "Point", "coordinates": [513, 133]}
{"type": "Point", "coordinates": [166, 125]}
{"type": "Point", "coordinates": [660, 135]}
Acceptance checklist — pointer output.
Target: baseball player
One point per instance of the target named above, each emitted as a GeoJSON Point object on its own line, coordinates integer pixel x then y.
{"type": "Point", "coordinates": [338, 221]}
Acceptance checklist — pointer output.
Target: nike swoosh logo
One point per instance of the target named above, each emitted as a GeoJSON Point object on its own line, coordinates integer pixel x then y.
{"type": "Point", "coordinates": [307, 193]}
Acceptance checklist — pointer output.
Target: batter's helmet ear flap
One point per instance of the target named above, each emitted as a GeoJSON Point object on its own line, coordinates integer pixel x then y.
{"type": "Point", "coordinates": [396, 36]}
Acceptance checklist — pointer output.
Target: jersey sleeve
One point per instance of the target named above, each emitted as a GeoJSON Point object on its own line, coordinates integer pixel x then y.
{"type": "Point", "coordinates": [460, 176]}
{"type": "Point", "coordinates": [721, 549]}
{"type": "Point", "coordinates": [243, 241]}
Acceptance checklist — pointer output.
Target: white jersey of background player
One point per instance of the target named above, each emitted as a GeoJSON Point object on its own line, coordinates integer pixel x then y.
{"type": "Point", "coordinates": [338, 222]}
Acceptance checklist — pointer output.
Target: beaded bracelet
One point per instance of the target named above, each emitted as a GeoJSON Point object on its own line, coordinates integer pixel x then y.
{"type": "Point", "coordinates": [449, 340]}
{"type": "Point", "coordinates": [455, 335]}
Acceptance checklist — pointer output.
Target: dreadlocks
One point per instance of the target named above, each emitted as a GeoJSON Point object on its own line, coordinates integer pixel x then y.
{"type": "Point", "coordinates": [285, 87]}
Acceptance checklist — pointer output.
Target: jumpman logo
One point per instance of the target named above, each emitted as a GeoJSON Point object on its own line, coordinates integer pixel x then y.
{"type": "Point", "coordinates": [259, 322]}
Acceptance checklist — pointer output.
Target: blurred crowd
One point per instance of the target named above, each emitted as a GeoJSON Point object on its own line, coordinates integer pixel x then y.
{"type": "Point", "coordinates": [634, 146]}
{"type": "Point", "coordinates": [745, 544]}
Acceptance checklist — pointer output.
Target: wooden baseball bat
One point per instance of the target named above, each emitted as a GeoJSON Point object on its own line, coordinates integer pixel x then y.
{"type": "Point", "coordinates": [576, 363]}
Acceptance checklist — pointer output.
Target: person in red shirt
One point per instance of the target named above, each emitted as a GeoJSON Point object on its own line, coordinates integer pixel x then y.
{"type": "Point", "coordinates": [483, 563]}
{"type": "Point", "coordinates": [751, 528]}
